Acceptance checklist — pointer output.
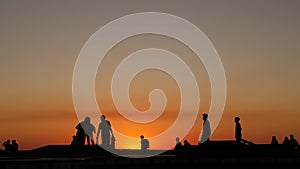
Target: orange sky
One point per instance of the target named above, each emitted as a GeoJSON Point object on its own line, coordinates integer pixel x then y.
{"type": "Point", "coordinates": [257, 42]}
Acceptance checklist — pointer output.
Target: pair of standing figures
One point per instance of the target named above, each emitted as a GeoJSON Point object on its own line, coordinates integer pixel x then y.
{"type": "Point", "coordinates": [86, 129]}
{"type": "Point", "coordinates": [206, 130]}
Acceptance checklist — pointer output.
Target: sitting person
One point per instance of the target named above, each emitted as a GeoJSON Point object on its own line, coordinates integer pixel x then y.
{"type": "Point", "coordinates": [7, 145]}
{"type": "Point", "coordinates": [14, 147]}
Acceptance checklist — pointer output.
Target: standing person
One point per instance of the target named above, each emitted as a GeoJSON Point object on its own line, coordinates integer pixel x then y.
{"type": "Point", "coordinates": [89, 130]}
{"type": "Point", "coordinates": [238, 130]}
{"type": "Point", "coordinates": [206, 131]}
{"type": "Point", "coordinates": [106, 132]}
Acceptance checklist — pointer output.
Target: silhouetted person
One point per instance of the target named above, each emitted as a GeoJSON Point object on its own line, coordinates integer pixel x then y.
{"type": "Point", "coordinates": [7, 145]}
{"type": "Point", "coordinates": [74, 141]}
{"type": "Point", "coordinates": [293, 143]}
{"type": "Point", "coordinates": [286, 141]}
{"type": "Point", "coordinates": [144, 143]}
{"type": "Point", "coordinates": [178, 145]}
{"type": "Point", "coordinates": [206, 131]}
{"type": "Point", "coordinates": [274, 140]}
{"type": "Point", "coordinates": [238, 130]}
{"type": "Point", "coordinates": [89, 129]}
{"type": "Point", "coordinates": [14, 147]}
{"type": "Point", "coordinates": [186, 145]}
{"type": "Point", "coordinates": [80, 134]}
{"type": "Point", "coordinates": [106, 132]}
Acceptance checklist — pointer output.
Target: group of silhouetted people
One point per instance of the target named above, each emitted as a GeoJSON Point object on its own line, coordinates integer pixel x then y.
{"type": "Point", "coordinates": [86, 129]}
{"type": "Point", "coordinates": [204, 138]}
{"type": "Point", "coordinates": [186, 145]}
{"type": "Point", "coordinates": [11, 146]}
{"type": "Point", "coordinates": [289, 143]}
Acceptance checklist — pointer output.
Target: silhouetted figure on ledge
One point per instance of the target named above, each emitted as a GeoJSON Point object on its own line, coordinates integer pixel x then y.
{"type": "Point", "coordinates": [187, 145]}
{"type": "Point", "coordinates": [274, 141]}
{"type": "Point", "coordinates": [206, 131]}
{"type": "Point", "coordinates": [11, 147]}
{"type": "Point", "coordinates": [238, 130]}
{"type": "Point", "coordinates": [106, 132]}
{"type": "Point", "coordinates": [74, 141]}
{"type": "Point", "coordinates": [80, 134]}
{"type": "Point", "coordinates": [186, 149]}
{"type": "Point", "coordinates": [7, 145]}
{"type": "Point", "coordinates": [14, 147]}
{"type": "Point", "coordinates": [89, 131]}
{"type": "Point", "coordinates": [144, 144]}
{"type": "Point", "coordinates": [293, 143]}
{"type": "Point", "coordinates": [286, 142]}
{"type": "Point", "coordinates": [178, 146]}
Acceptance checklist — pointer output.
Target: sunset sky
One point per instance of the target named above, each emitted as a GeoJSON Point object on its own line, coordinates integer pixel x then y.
{"type": "Point", "coordinates": [257, 41]}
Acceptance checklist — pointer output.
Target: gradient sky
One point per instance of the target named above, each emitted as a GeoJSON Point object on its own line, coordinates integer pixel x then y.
{"type": "Point", "coordinates": [257, 41]}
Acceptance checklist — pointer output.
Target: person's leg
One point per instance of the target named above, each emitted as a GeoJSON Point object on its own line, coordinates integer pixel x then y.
{"type": "Point", "coordinates": [105, 141]}
{"type": "Point", "coordinates": [88, 140]}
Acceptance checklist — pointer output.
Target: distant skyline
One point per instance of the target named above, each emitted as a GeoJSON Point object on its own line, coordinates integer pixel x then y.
{"type": "Point", "coordinates": [257, 41]}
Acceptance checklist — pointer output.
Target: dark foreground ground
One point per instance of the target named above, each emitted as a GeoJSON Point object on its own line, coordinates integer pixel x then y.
{"type": "Point", "coordinates": [226, 154]}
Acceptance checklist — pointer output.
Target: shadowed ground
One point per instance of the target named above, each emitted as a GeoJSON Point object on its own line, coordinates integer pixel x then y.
{"type": "Point", "coordinates": [216, 153]}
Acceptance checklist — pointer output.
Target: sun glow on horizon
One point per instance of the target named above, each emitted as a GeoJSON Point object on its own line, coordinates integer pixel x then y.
{"type": "Point", "coordinates": [135, 145]}
{"type": "Point", "coordinates": [257, 43]}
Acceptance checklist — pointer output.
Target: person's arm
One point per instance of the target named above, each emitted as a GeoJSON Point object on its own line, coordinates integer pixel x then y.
{"type": "Point", "coordinates": [94, 129]}
{"type": "Point", "coordinates": [110, 128]}
{"type": "Point", "coordinates": [111, 132]}
{"type": "Point", "coordinates": [98, 132]}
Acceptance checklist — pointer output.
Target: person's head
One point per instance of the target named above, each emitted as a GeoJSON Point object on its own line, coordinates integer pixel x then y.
{"type": "Point", "coordinates": [204, 116]}
{"type": "Point", "coordinates": [14, 141]}
{"type": "Point", "coordinates": [87, 120]}
{"type": "Point", "coordinates": [177, 139]}
{"type": "Point", "coordinates": [142, 137]}
{"type": "Point", "coordinates": [102, 117]}
{"type": "Point", "coordinates": [237, 119]}
{"type": "Point", "coordinates": [291, 136]}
